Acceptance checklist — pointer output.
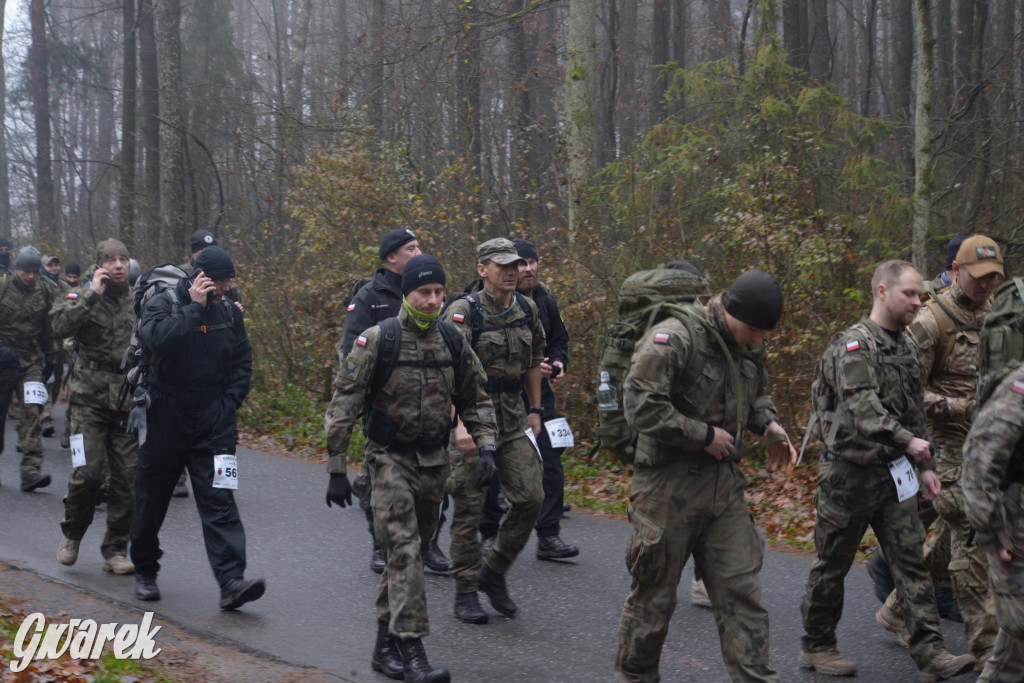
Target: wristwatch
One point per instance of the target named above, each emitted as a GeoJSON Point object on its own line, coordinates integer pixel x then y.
{"type": "Point", "coordinates": [536, 411]}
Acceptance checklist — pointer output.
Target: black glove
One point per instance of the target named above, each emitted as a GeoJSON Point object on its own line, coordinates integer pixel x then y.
{"type": "Point", "coordinates": [8, 359]}
{"type": "Point", "coordinates": [339, 491]}
{"type": "Point", "coordinates": [486, 470]}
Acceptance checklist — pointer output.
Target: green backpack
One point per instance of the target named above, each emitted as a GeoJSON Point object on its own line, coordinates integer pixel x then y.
{"type": "Point", "coordinates": [645, 299]}
{"type": "Point", "coordinates": [1002, 338]}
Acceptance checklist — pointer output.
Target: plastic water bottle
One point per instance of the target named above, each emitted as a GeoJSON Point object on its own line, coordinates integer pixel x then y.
{"type": "Point", "coordinates": [606, 399]}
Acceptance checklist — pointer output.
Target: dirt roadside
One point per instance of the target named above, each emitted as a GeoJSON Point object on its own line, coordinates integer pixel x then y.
{"type": "Point", "coordinates": [184, 656]}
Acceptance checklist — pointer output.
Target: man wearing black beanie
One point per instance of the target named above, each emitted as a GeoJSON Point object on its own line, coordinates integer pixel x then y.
{"type": "Point", "coordinates": [5, 254]}
{"type": "Point", "coordinates": [426, 369]}
{"type": "Point", "coordinates": [687, 490]}
{"type": "Point", "coordinates": [200, 368]}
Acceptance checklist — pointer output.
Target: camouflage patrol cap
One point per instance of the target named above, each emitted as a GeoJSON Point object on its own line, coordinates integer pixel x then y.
{"type": "Point", "coordinates": [499, 250]}
{"type": "Point", "coordinates": [50, 258]}
{"type": "Point", "coordinates": [110, 248]}
{"type": "Point", "coordinates": [981, 256]}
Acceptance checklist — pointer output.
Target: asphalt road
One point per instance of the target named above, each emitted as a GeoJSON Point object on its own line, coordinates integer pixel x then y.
{"type": "Point", "coordinates": [318, 609]}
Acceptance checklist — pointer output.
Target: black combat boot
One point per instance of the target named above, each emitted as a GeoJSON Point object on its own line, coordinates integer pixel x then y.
{"type": "Point", "coordinates": [468, 609]}
{"type": "Point", "coordinates": [417, 668]}
{"type": "Point", "coordinates": [386, 657]}
{"type": "Point", "coordinates": [554, 548]}
{"type": "Point", "coordinates": [237, 592]}
{"type": "Point", "coordinates": [435, 559]}
{"type": "Point", "coordinates": [145, 587]}
{"type": "Point", "coordinates": [377, 562]}
{"type": "Point", "coordinates": [493, 584]}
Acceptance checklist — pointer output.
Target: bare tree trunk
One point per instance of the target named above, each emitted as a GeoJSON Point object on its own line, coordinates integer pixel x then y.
{"type": "Point", "coordinates": [627, 110]}
{"type": "Point", "coordinates": [678, 49]}
{"type": "Point", "coordinates": [293, 84]}
{"type": "Point", "coordinates": [126, 198]}
{"type": "Point", "coordinates": [40, 60]}
{"type": "Point", "coordinates": [376, 69]}
{"type": "Point", "coordinates": [579, 112]}
{"type": "Point", "coordinates": [150, 124]}
{"type": "Point", "coordinates": [719, 13]}
{"type": "Point", "coordinates": [924, 43]}
{"type": "Point", "coordinates": [173, 222]}
{"type": "Point", "coordinates": [342, 44]}
{"type": "Point", "coordinates": [869, 50]}
{"type": "Point", "coordinates": [820, 41]}
{"type": "Point", "coordinates": [794, 34]}
{"type": "Point", "coordinates": [607, 93]}
{"type": "Point", "coordinates": [902, 74]}
{"type": "Point", "coordinates": [467, 74]}
{"type": "Point", "coordinates": [963, 44]}
{"type": "Point", "coordinates": [943, 34]}
{"type": "Point", "coordinates": [660, 26]}
{"type": "Point", "coordinates": [519, 101]}
{"type": "Point", "coordinates": [5, 192]}
{"type": "Point", "coordinates": [982, 128]}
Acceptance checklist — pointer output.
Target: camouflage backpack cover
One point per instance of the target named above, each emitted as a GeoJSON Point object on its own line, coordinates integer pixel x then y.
{"type": "Point", "coordinates": [1002, 338]}
{"type": "Point", "coordinates": [645, 299]}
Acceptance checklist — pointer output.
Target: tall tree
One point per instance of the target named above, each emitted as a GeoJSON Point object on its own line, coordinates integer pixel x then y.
{"type": "Point", "coordinates": [794, 33]}
{"type": "Point", "coordinates": [150, 124]}
{"type": "Point", "coordinates": [126, 199]}
{"type": "Point", "coordinates": [173, 225]}
{"type": "Point", "coordinates": [5, 185]}
{"type": "Point", "coordinates": [924, 43]}
{"type": "Point", "coordinates": [579, 110]}
{"type": "Point", "coordinates": [902, 74]}
{"type": "Point", "coordinates": [303, 10]}
{"type": "Point", "coordinates": [819, 41]}
{"type": "Point", "coordinates": [981, 130]}
{"type": "Point", "coordinates": [40, 60]}
{"type": "Point", "coordinates": [661, 25]}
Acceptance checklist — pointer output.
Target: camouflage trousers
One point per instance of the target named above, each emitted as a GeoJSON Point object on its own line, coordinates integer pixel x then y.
{"type": "Point", "coordinates": [520, 472]}
{"type": "Point", "coordinates": [693, 505]}
{"type": "Point", "coordinates": [404, 502]}
{"type": "Point", "coordinates": [12, 383]}
{"type": "Point", "coordinates": [968, 569]}
{"type": "Point", "coordinates": [851, 497]}
{"type": "Point", "coordinates": [1007, 581]}
{"type": "Point", "coordinates": [109, 450]}
{"type": "Point", "coordinates": [54, 387]}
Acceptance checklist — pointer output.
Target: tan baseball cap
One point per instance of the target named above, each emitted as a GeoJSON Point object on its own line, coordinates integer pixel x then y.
{"type": "Point", "coordinates": [499, 250]}
{"type": "Point", "coordinates": [981, 256]}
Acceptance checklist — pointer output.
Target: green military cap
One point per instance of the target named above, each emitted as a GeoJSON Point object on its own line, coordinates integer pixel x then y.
{"type": "Point", "coordinates": [499, 250]}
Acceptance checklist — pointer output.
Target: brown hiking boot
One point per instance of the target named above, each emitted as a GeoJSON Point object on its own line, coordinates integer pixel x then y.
{"type": "Point", "coordinates": [828, 662]}
{"type": "Point", "coordinates": [894, 624]}
{"type": "Point", "coordinates": [947, 665]}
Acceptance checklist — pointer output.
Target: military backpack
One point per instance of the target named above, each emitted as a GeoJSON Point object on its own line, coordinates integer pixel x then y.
{"type": "Point", "coordinates": [1002, 338]}
{"type": "Point", "coordinates": [477, 317]}
{"type": "Point", "coordinates": [645, 299]}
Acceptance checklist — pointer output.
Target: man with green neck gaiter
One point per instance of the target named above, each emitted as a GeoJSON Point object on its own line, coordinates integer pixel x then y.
{"type": "Point", "coordinates": [404, 376]}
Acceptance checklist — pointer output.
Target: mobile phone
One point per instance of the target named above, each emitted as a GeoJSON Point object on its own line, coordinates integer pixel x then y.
{"type": "Point", "coordinates": [556, 370]}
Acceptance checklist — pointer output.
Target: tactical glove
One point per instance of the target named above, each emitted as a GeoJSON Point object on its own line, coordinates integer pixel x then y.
{"type": "Point", "coordinates": [339, 491]}
{"type": "Point", "coordinates": [486, 470]}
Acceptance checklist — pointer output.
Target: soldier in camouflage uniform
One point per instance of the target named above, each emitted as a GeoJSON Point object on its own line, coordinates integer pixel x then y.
{"type": "Point", "coordinates": [100, 319]}
{"type": "Point", "coordinates": [871, 374]}
{"type": "Point", "coordinates": [687, 496]}
{"type": "Point", "coordinates": [26, 353]}
{"type": "Point", "coordinates": [993, 494]}
{"type": "Point", "coordinates": [407, 426]}
{"type": "Point", "coordinates": [947, 333]}
{"type": "Point", "coordinates": [509, 340]}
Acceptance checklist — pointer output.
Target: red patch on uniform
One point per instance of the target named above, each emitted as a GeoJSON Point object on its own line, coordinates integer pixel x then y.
{"type": "Point", "coordinates": [661, 338]}
{"type": "Point", "coordinates": [458, 317]}
{"type": "Point", "coordinates": [1018, 387]}
{"type": "Point", "coordinates": [852, 346]}
{"type": "Point", "coordinates": [351, 307]}
{"type": "Point", "coordinates": [361, 340]}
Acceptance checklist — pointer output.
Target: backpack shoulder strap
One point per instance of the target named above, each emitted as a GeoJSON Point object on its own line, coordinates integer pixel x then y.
{"type": "Point", "coordinates": [387, 358]}
{"type": "Point", "coordinates": [453, 340]}
{"type": "Point", "coordinates": [947, 324]}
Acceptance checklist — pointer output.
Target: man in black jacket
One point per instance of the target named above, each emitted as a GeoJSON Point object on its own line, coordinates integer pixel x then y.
{"type": "Point", "coordinates": [199, 369]}
{"type": "Point", "coordinates": [550, 545]}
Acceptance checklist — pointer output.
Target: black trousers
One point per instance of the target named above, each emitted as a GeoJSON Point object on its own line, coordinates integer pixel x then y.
{"type": "Point", "coordinates": [550, 518]}
{"type": "Point", "coordinates": [155, 478]}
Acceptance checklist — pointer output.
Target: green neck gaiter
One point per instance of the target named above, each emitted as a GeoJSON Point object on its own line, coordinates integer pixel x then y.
{"type": "Point", "coordinates": [422, 320]}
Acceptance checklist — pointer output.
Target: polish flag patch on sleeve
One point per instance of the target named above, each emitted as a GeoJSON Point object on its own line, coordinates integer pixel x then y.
{"type": "Point", "coordinates": [458, 318]}
{"type": "Point", "coordinates": [351, 307]}
{"type": "Point", "coordinates": [852, 345]}
{"type": "Point", "coordinates": [1018, 387]}
{"type": "Point", "coordinates": [360, 340]}
{"type": "Point", "coordinates": [72, 295]}
{"type": "Point", "coordinates": [661, 337]}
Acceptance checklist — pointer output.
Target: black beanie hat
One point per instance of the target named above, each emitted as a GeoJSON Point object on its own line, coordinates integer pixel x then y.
{"type": "Point", "coordinates": [755, 298]}
{"type": "Point", "coordinates": [215, 263]}
{"type": "Point", "coordinates": [525, 248]}
{"type": "Point", "coordinates": [28, 259]}
{"type": "Point", "coordinates": [72, 269]}
{"type": "Point", "coordinates": [202, 239]}
{"type": "Point", "coordinates": [4, 242]}
{"type": "Point", "coordinates": [420, 270]}
{"type": "Point", "coordinates": [953, 247]}
{"type": "Point", "coordinates": [393, 240]}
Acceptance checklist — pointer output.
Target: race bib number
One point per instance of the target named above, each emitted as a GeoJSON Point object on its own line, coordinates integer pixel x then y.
{"type": "Point", "coordinates": [560, 433]}
{"type": "Point", "coordinates": [35, 393]}
{"type": "Point", "coordinates": [225, 472]}
{"type": "Point", "coordinates": [533, 440]}
{"type": "Point", "coordinates": [77, 450]}
{"type": "Point", "coordinates": [905, 477]}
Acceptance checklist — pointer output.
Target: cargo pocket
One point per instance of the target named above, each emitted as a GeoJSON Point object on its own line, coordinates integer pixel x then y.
{"type": "Point", "coordinates": [645, 555]}
{"type": "Point", "coordinates": [831, 512]}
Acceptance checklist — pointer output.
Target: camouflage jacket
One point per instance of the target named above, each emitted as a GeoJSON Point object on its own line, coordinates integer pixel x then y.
{"type": "Point", "coordinates": [993, 467]}
{"type": "Point", "coordinates": [671, 416]}
{"type": "Point", "coordinates": [949, 390]}
{"type": "Point", "coordinates": [24, 319]}
{"type": "Point", "coordinates": [101, 327]}
{"type": "Point", "coordinates": [506, 354]}
{"type": "Point", "coordinates": [417, 399]}
{"type": "Point", "coordinates": [879, 398]}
